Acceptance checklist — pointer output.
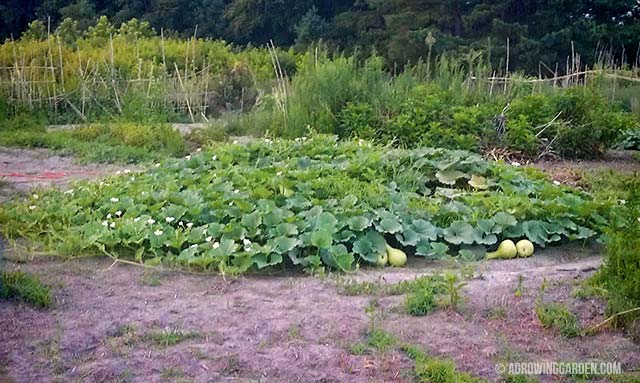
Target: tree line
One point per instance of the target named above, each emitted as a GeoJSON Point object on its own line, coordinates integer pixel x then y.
{"type": "Point", "coordinates": [539, 33]}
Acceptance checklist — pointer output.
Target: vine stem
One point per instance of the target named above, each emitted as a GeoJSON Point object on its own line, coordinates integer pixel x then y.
{"type": "Point", "coordinates": [612, 317]}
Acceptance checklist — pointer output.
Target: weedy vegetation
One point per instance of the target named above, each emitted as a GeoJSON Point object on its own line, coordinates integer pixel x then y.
{"type": "Point", "coordinates": [25, 288]}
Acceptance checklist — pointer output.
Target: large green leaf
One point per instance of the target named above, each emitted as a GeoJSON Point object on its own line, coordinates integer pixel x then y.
{"type": "Point", "coordinates": [369, 246]}
{"type": "Point", "coordinates": [359, 223]}
{"type": "Point", "coordinates": [449, 177]}
{"type": "Point", "coordinates": [459, 232]}
{"type": "Point", "coordinates": [389, 225]}
{"type": "Point", "coordinates": [284, 244]}
{"type": "Point", "coordinates": [321, 239]}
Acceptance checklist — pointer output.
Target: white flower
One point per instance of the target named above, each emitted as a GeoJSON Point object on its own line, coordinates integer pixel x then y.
{"type": "Point", "coordinates": [556, 182]}
{"type": "Point", "coordinates": [231, 203]}
{"type": "Point", "coordinates": [304, 138]}
{"type": "Point", "coordinates": [35, 196]}
{"type": "Point", "coordinates": [101, 183]}
{"type": "Point", "coordinates": [136, 219]}
{"type": "Point", "coordinates": [190, 225]}
{"type": "Point", "coordinates": [237, 191]}
{"type": "Point", "coordinates": [180, 223]}
{"type": "Point", "coordinates": [32, 207]}
{"type": "Point", "coordinates": [105, 223]}
{"type": "Point", "coordinates": [115, 199]}
{"type": "Point", "coordinates": [246, 242]}
{"type": "Point", "coordinates": [235, 141]}
{"type": "Point", "coordinates": [70, 191]}
{"type": "Point", "coordinates": [209, 239]}
{"type": "Point", "coordinates": [109, 216]}
{"type": "Point", "coordinates": [214, 158]}
{"type": "Point", "coordinates": [516, 164]}
{"type": "Point", "coordinates": [215, 245]}
{"type": "Point", "coordinates": [119, 213]}
{"type": "Point", "coordinates": [199, 150]}
{"type": "Point", "coordinates": [133, 178]}
{"type": "Point", "coordinates": [118, 172]}
{"type": "Point", "coordinates": [622, 202]}
{"type": "Point", "coordinates": [188, 157]}
{"type": "Point", "coordinates": [193, 246]}
{"type": "Point", "coordinates": [112, 225]}
{"type": "Point", "coordinates": [127, 171]}
{"type": "Point", "coordinates": [247, 248]}
{"type": "Point", "coordinates": [157, 165]}
{"type": "Point", "coordinates": [169, 219]}
{"type": "Point", "coordinates": [279, 173]}
{"type": "Point", "coordinates": [638, 219]}
{"type": "Point", "coordinates": [151, 221]}
{"type": "Point", "coordinates": [158, 232]}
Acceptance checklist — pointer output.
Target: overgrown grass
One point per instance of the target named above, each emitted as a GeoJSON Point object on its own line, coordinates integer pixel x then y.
{"type": "Point", "coordinates": [26, 288]}
{"type": "Point", "coordinates": [122, 143]}
{"type": "Point", "coordinates": [618, 280]}
{"type": "Point", "coordinates": [558, 317]}
{"type": "Point", "coordinates": [381, 288]}
{"type": "Point", "coordinates": [170, 337]}
{"type": "Point", "coordinates": [428, 369]}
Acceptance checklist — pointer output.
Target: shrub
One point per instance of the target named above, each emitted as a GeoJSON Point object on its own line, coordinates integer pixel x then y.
{"type": "Point", "coordinates": [620, 274]}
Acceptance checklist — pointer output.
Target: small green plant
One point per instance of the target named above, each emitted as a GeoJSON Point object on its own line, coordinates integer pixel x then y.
{"type": "Point", "coordinates": [170, 337]}
{"type": "Point", "coordinates": [498, 311]}
{"type": "Point", "coordinates": [452, 286]}
{"type": "Point", "coordinates": [420, 302]}
{"type": "Point", "coordinates": [520, 287]}
{"type": "Point", "coordinates": [557, 316]}
{"type": "Point", "coordinates": [380, 340]}
{"type": "Point", "coordinates": [436, 370]}
{"type": "Point", "coordinates": [26, 288]}
{"type": "Point", "coordinates": [359, 349]}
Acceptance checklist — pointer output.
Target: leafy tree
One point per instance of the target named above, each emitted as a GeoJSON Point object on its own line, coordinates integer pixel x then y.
{"type": "Point", "coordinates": [68, 32]}
{"type": "Point", "coordinates": [82, 11]}
{"type": "Point", "coordinates": [100, 33]}
{"type": "Point", "coordinates": [310, 28]}
{"type": "Point", "coordinates": [135, 29]}
{"type": "Point", "coordinates": [36, 31]}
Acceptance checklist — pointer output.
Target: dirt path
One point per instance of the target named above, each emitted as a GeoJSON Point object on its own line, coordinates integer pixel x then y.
{"type": "Point", "coordinates": [25, 169]}
{"type": "Point", "coordinates": [288, 327]}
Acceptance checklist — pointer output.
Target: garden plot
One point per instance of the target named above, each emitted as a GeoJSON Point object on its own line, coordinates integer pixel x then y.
{"type": "Point", "coordinates": [241, 316]}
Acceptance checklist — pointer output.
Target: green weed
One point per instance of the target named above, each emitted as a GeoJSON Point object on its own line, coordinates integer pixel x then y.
{"type": "Point", "coordinates": [557, 316]}
{"type": "Point", "coordinates": [420, 302]}
{"type": "Point", "coordinates": [380, 340]}
{"type": "Point", "coordinates": [359, 349]}
{"type": "Point", "coordinates": [170, 337]}
{"type": "Point", "coordinates": [26, 288]}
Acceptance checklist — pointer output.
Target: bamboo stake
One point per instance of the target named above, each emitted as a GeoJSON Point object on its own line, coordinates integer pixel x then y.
{"type": "Point", "coordinates": [186, 98]}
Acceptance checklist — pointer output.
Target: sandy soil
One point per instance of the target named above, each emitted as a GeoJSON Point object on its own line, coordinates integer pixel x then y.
{"type": "Point", "coordinates": [25, 169]}
{"type": "Point", "coordinates": [289, 327]}
{"type": "Point", "coordinates": [570, 172]}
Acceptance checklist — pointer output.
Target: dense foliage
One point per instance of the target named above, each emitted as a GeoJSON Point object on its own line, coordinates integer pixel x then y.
{"type": "Point", "coordinates": [98, 143]}
{"type": "Point", "coordinates": [440, 106]}
{"type": "Point", "coordinates": [312, 202]}
{"type": "Point", "coordinates": [620, 275]}
{"type": "Point", "coordinates": [402, 30]}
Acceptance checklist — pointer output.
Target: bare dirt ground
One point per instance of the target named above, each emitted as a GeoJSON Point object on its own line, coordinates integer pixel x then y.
{"type": "Point", "coordinates": [570, 172]}
{"type": "Point", "coordinates": [289, 327]}
{"type": "Point", "coordinates": [24, 169]}
{"type": "Point", "coordinates": [111, 324]}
